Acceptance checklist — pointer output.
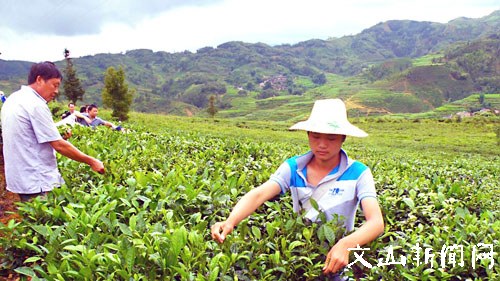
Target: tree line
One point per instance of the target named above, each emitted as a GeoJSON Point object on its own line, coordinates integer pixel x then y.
{"type": "Point", "coordinates": [115, 93]}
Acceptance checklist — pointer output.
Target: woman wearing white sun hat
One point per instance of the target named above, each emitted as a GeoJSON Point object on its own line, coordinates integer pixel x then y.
{"type": "Point", "coordinates": [338, 184]}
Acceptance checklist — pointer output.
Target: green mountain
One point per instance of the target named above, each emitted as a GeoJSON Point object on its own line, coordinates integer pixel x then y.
{"type": "Point", "coordinates": [392, 67]}
{"type": "Point", "coordinates": [452, 74]}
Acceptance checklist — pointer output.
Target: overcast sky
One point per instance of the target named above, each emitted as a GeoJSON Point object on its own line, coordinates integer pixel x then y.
{"type": "Point", "coordinates": [38, 30]}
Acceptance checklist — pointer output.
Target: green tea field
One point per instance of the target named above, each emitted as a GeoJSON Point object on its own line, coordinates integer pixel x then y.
{"type": "Point", "coordinates": [170, 178]}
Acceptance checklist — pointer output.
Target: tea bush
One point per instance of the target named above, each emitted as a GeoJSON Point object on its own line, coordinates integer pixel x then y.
{"type": "Point", "coordinates": [148, 217]}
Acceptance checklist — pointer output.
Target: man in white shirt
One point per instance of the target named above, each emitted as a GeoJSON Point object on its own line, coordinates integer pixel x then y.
{"type": "Point", "coordinates": [30, 136]}
{"type": "Point", "coordinates": [71, 110]}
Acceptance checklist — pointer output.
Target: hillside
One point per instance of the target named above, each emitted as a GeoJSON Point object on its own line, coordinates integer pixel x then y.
{"type": "Point", "coordinates": [453, 74]}
{"type": "Point", "coordinates": [392, 67]}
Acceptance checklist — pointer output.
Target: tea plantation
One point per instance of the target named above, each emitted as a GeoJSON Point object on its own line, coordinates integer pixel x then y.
{"type": "Point", "coordinates": [170, 178]}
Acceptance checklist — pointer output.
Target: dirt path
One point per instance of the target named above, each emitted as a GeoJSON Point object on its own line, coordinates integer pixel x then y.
{"type": "Point", "coordinates": [7, 198]}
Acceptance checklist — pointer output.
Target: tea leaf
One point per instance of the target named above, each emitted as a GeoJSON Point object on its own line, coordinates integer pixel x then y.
{"type": "Point", "coordinates": [409, 202]}
{"type": "Point", "coordinates": [214, 274]}
{"type": "Point", "coordinates": [25, 271]}
{"type": "Point", "coordinates": [42, 229]}
{"type": "Point", "coordinates": [314, 204]}
{"type": "Point", "coordinates": [256, 232]}
{"type": "Point", "coordinates": [295, 244]}
{"type": "Point", "coordinates": [32, 259]}
{"type": "Point", "coordinates": [329, 234]}
{"type": "Point", "coordinates": [307, 234]}
{"type": "Point", "coordinates": [125, 229]}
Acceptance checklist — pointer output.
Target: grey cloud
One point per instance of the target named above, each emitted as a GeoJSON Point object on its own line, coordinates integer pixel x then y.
{"type": "Point", "coordinates": [72, 17]}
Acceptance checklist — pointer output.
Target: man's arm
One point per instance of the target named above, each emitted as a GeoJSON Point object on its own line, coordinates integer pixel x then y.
{"type": "Point", "coordinates": [245, 207]}
{"type": "Point", "coordinates": [81, 116]}
{"type": "Point", "coordinates": [67, 149]}
{"type": "Point", "coordinates": [109, 124]}
{"type": "Point", "coordinates": [338, 257]}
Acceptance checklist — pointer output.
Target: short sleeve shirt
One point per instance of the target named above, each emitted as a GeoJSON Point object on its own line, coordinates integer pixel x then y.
{"type": "Point", "coordinates": [27, 129]}
{"type": "Point", "coordinates": [347, 184]}
{"type": "Point", "coordinates": [96, 122]}
{"type": "Point", "coordinates": [68, 120]}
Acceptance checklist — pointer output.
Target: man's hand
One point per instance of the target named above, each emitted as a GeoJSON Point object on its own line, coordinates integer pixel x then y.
{"type": "Point", "coordinates": [68, 150]}
{"type": "Point", "coordinates": [337, 258]}
{"type": "Point", "coordinates": [216, 229]}
{"type": "Point", "coordinates": [97, 166]}
{"type": "Point", "coordinates": [67, 134]}
{"type": "Point", "coordinates": [247, 205]}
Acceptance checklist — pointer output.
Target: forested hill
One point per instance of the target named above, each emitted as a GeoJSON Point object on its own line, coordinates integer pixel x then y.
{"type": "Point", "coordinates": [392, 39]}
{"type": "Point", "coordinates": [247, 76]}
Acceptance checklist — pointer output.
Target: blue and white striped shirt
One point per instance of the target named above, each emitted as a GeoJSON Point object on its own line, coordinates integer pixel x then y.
{"type": "Point", "coordinates": [348, 184]}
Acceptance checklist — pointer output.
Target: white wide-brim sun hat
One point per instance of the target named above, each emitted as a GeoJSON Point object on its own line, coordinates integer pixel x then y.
{"type": "Point", "coordinates": [329, 116]}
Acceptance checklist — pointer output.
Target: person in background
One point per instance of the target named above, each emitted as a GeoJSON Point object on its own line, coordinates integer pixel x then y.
{"type": "Point", "coordinates": [71, 110]}
{"type": "Point", "coordinates": [30, 136]}
{"type": "Point", "coordinates": [337, 183]}
{"type": "Point", "coordinates": [72, 117]}
{"type": "Point", "coordinates": [2, 96]}
{"type": "Point", "coordinates": [96, 121]}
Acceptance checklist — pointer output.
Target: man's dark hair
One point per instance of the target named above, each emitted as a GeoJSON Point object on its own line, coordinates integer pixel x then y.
{"type": "Point", "coordinates": [92, 106]}
{"type": "Point", "coordinates": [83, 109]}
{"type": "Point", "coordinates": [47, 70]}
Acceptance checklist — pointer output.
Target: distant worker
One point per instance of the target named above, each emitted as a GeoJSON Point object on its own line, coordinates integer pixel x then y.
{"type": "Point", "coordinates": [337, 184]}
{"type": "Point", "coordinates": [2, 96]}
{"type": "Point", "coordinates": [30, 136]}
{"type": "Point", "coordinates": [96, 121]}
{"type": "Point", "coordinates": [71, 110]}
{"type": "Point", "coordinates": [84, 109]}
{"type": "Point", "coordinates": [72, 117]}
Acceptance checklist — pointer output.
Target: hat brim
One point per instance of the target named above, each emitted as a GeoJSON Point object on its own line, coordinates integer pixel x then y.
{"type": "Point", "coordinates": [328, 128]}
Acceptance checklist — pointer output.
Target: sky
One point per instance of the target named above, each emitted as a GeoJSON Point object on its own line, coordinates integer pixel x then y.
{"type": "Point", "coordinates": [40, 30]}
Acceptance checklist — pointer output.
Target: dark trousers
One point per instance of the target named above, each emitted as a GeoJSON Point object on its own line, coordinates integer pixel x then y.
{"type": "Point", "coordinates": [27, 197]}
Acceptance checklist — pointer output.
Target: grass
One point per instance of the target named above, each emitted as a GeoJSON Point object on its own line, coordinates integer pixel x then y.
{"type": "Point", "coordinates": [427, 136]}
{"type": "Point", "coordinates": [470, 102]}
{"type": "Point", "coordinates": [304, 82]}
{"type": "Point", "coordinates": [9, 87]}
{"type": "Point", "coordinates": [433, 137]}
{"type": "Point", "coordinates": [427, 60]}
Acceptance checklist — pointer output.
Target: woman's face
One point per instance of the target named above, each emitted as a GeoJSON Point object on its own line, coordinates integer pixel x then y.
{"type": "Point", "coordinates": [325, 147]}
